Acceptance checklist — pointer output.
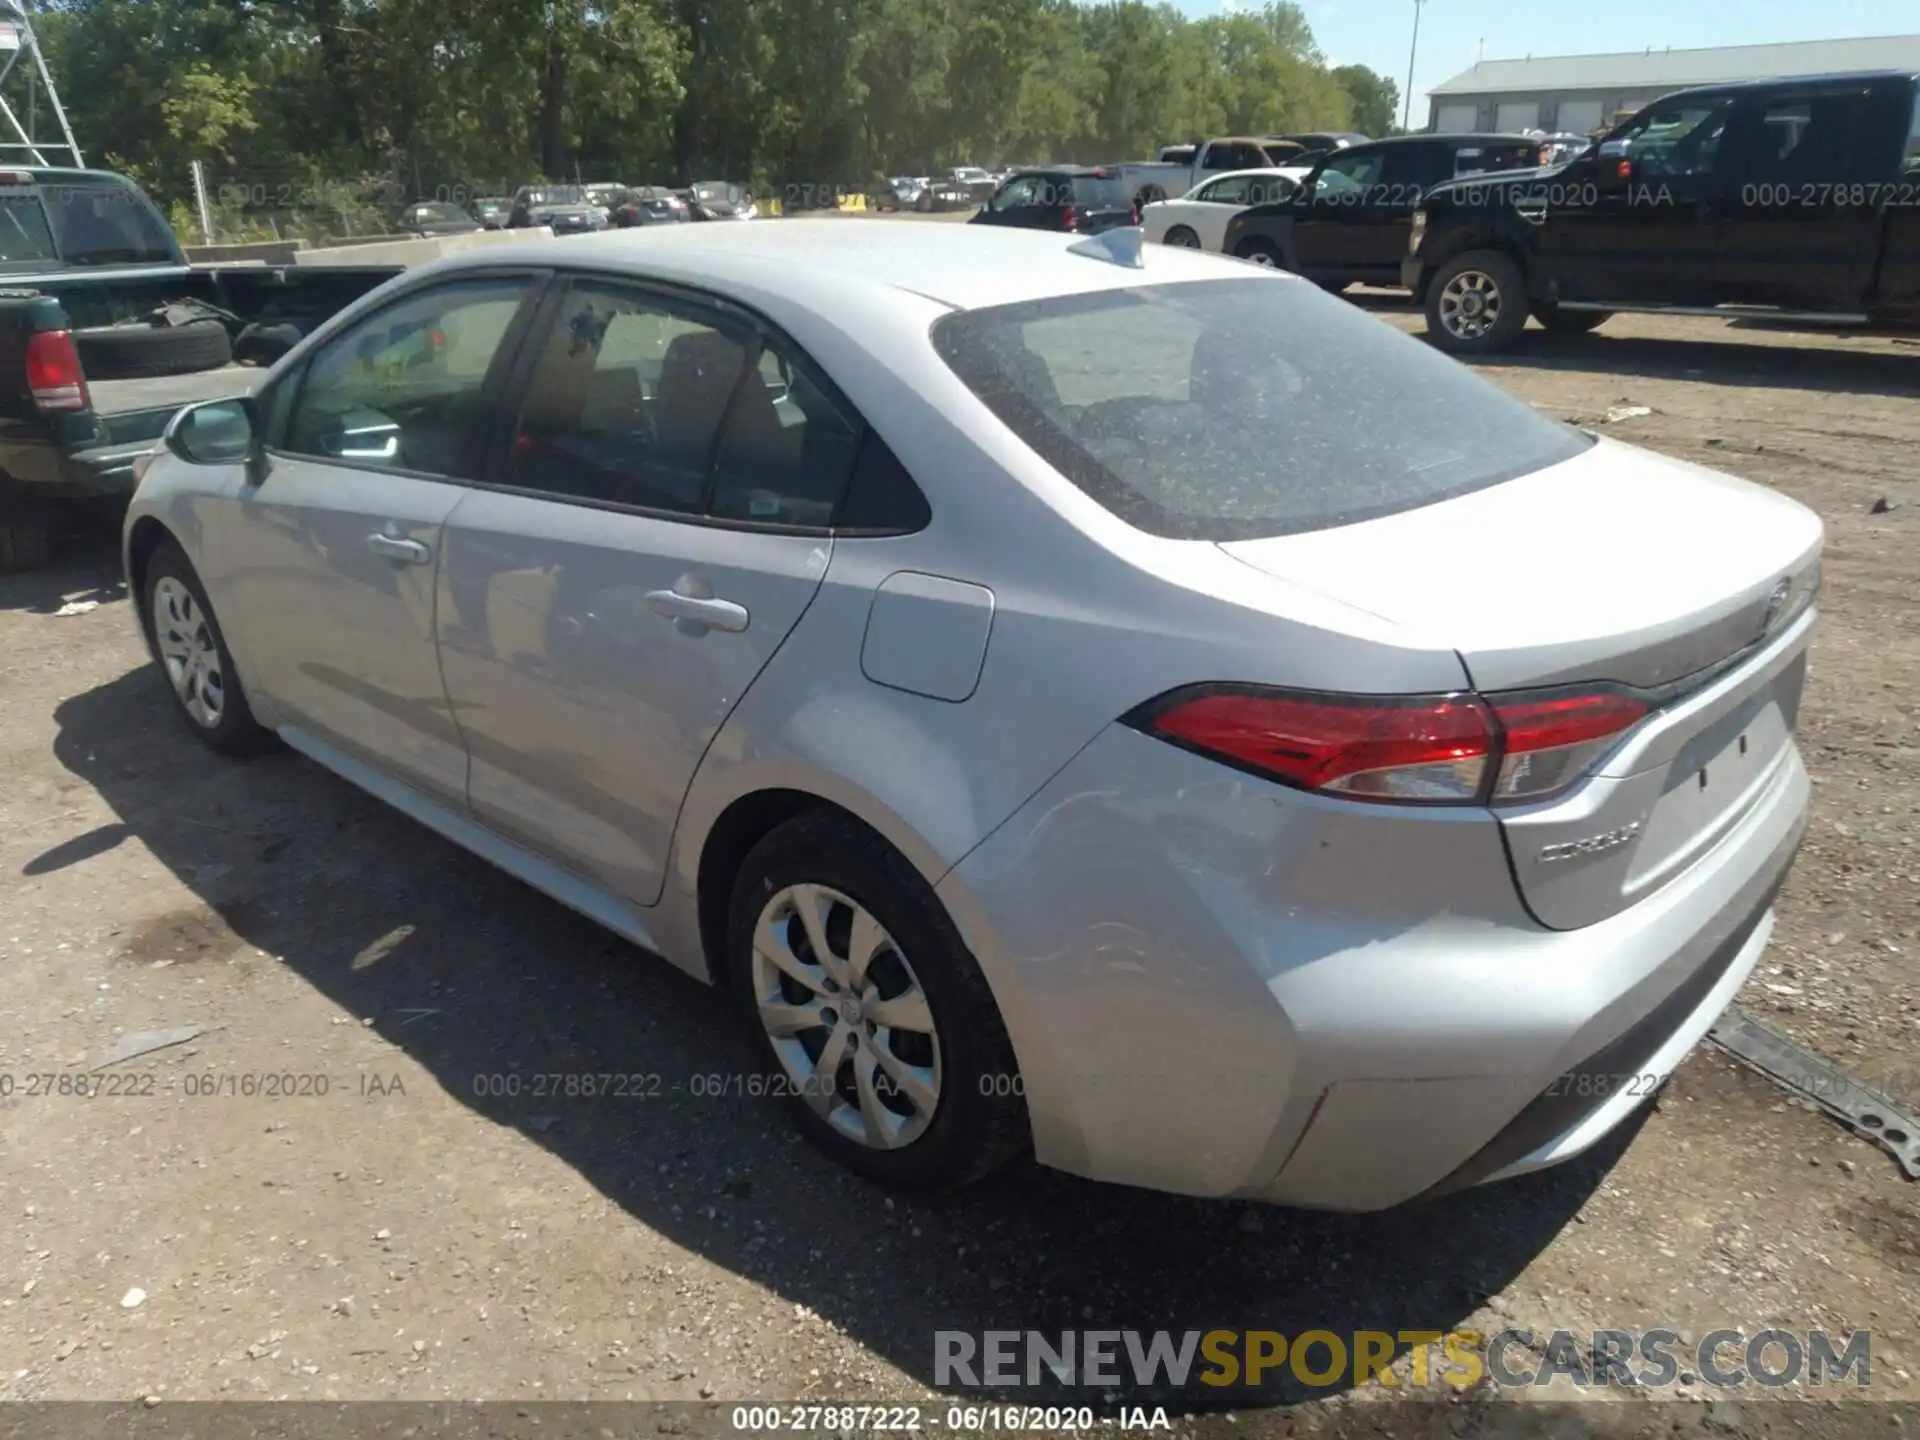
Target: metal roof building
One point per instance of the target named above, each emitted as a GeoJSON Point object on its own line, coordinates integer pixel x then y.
{"type": "Point", "coordinates": [1582, 92]}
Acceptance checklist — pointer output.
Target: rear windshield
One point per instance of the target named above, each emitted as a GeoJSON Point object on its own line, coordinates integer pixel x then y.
{"type": "Point", "coordinates": [1101, 192]}
{"type": "Point", "coordinates": [1241, 408]}
{"type": "Point", "coordinates": [88, 223]}
{"type": "Point", "coordinates": [24, 235]}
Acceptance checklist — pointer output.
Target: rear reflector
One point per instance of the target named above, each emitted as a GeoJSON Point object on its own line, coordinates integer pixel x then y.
{"type": "Point", "coordinates": [1460, 749]}
{"type": "Point", "coordinates": [54, 374]}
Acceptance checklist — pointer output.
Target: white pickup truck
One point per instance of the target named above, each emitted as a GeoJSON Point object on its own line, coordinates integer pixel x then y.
{"type": "Point", "coordinates": [1181, 167]}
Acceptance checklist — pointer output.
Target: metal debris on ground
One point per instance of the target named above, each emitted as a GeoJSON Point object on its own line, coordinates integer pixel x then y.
{"type": "Point", "coordinates": [1866, 1112]}
{"type": "Point", "coordinates": [145, 1042]}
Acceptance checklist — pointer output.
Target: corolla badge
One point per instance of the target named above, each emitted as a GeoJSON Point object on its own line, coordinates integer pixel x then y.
{"type": "Point", "coordinates": [1591, 845]}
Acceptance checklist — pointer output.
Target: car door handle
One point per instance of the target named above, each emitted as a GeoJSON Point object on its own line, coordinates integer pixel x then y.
{"type": "Point", "coordinates": [1533, 213]}
{"type": "Point", "coordinates": [396, 547]}
{"type": "Point", "coordinates": [713, 613]}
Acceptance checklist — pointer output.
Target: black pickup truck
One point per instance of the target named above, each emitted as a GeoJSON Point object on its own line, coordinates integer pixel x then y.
{"type": "Point", "coordinates": [106, 331]}
{"type": "Point", "coordinates": [1797, 198]}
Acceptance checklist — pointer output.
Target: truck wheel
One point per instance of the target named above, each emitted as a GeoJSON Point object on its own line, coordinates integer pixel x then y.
{"type": "Point", "coordinates": [1477, 303]}
{"type": "Point", "coordinates": [1263, 253]}
{"type": "Point", "coordinates": [139, 352]}
{"type": "Point", "coordinates": [1570, 322]}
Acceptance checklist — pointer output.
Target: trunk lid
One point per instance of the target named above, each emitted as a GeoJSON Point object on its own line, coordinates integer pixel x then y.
{"type": "Point", "coordinates": [1614, 567]}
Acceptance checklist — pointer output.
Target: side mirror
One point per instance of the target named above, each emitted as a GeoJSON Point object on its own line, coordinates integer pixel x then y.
{"type": "Point", "coordinates": [1615, 165]}
{"type": "Point", "coordinates": [215, 432]}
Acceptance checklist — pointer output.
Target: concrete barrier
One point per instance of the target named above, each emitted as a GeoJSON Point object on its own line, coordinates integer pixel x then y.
{"type": "Point", "coordinates": [269, 252]}
{"type": "Point", "coordinates": [417, 250]}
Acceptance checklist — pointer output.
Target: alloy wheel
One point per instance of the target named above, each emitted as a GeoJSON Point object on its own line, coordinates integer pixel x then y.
{"type": "Point", "coordinates": [1470, 304]}
{"type": "Point", "coordinates": [189, 652]}
{"type": "Point", "coordinates": [847, 1017]}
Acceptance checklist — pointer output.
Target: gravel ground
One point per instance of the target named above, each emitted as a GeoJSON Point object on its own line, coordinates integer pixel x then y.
{"type": "Point", "coordinates": [410, 1233]}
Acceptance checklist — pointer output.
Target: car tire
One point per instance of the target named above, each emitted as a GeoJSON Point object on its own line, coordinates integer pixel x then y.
{"type": "Point", "coordinates": [263, 344]}
{"type": "Point", "coordinates": [141, 352]}
{"type": "Point", "coordinates": [1477, 303]}
{"type": "Point", "coordinates": [1182, 237]}
{"type": "Point", "coordinates": [1570, 322]}
{"type": "Point", "coordinates": [969, 1116]}
{"type": "Point", "coordinates": [1261, 252]}
{"type": "Point", "coordinates": [191, 651]}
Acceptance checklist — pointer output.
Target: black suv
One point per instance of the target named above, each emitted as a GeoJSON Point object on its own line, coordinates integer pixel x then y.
{"type": "Point", "coordinates": [1801, 197]}
{"type": "Point", "coordinates": [1067, 197]}
{"type": "Point", "coordinates": [1351, 218]}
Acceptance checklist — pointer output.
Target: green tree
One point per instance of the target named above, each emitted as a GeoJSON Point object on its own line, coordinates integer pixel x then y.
{"type": "Point", "coordinates": [1375, 99]}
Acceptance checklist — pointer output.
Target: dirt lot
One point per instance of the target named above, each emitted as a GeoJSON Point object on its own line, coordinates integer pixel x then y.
{"type": "Point", "coordinates": [407, 1235]}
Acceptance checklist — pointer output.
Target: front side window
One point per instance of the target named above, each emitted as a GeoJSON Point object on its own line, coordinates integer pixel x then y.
{"type": "Point", "coordinates": [1236, 409]}
{"type": "Point", "coordinates": [402, 390]}
{"type": "Point", "coordinates": [1017, 194]}
{"type": "Point", "coordinates": [1231, 191]}
{"type": "Point", "coordinates": [1349, 177]}
{"type": "Point", "coordinates": [1676, 141]}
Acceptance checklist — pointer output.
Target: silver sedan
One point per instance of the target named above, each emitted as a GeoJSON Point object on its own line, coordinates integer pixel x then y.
{"type": "Point", "coordinates": [1106, 701]}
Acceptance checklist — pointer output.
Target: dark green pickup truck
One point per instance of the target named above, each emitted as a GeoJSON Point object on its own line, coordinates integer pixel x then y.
{"type": "Point", "coordinates": [106, 331]}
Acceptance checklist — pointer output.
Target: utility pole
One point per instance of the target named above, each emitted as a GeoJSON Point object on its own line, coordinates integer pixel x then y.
{"type": "Point", "coordinates": [1406, 119]}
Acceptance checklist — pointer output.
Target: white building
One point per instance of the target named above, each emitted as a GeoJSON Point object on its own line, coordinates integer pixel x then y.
{"type": "Point", "coordinates": [1579, 93]}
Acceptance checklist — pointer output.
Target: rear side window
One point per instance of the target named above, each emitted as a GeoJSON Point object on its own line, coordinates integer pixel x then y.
{"type": "Point", "coordinates": [1488, 159]}
{"type": "Point", "coordinates": [1236, 409]}
{"type": "Point", "coordinates": [1101, 192]}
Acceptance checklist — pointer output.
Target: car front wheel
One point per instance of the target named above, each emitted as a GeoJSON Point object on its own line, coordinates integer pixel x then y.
{"type": "Point", "coordinates": [1182, 237]}
{"type": "Point", "coordinates": [193, 655]}
{"type": "Point", "coordinates": [871, 1019]}
{"type": "Point", "coordinates": [1477, 303]}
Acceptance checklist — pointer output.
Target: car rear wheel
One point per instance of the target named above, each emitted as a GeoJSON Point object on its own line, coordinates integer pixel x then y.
{"type": "Point", "coordinates": [1182, 237]}
{"type": "Point", "coordinates": [1477, 303]}
{"type": "Point", "coordinates": [1263, 253]}
{"type": "Point", "coordinates": [1570, 322]}
{"type": "Point", "coordinates": [869, 1016]}
{"type": "Point", "coordinates": [193, 655]}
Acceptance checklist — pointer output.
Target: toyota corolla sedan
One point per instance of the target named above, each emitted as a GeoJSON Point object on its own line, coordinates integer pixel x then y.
{"type": "Point", "coordinates": [1067, 694]}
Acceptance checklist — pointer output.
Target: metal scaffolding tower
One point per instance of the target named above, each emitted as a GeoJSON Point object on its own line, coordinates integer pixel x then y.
{"type": "Point", "coordinates": [17, 41]}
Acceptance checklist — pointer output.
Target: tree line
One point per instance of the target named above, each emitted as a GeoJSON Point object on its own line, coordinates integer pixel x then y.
{"type": "Point", "coordinates": [326, 105]}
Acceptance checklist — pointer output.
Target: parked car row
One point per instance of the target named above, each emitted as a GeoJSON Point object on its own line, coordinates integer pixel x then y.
{"type": "Point", "coordinates": [582, 209]}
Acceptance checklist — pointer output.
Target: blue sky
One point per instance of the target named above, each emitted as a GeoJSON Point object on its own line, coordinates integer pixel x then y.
{"type": "Point", "coordinates": [1376, 33]}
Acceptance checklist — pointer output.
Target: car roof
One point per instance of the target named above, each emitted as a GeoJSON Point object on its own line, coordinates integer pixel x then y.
{"type": "Point", "coordinates": [1450, 138]}
{"type": "Point", "coordinates": [832, 265]}
{"type": "Point", "coordinates": [1790, 82]}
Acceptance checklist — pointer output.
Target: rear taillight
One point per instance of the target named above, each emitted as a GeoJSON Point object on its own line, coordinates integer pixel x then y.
{"type": "Point", "coordinates": [1069, 217]}
{"type": "Point", "coordinates": [54, 374]}
{"type": "Point", "coordinates": [1551, 740]}
{"type": "Point", "coordinates": [1460, 749]}
{"type": "Point", "coordinates": [1136, 212]}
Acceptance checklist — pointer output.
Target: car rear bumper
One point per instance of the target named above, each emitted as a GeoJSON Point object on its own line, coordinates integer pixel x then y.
{"type": "Point", "coordinates": [1221, 987]}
